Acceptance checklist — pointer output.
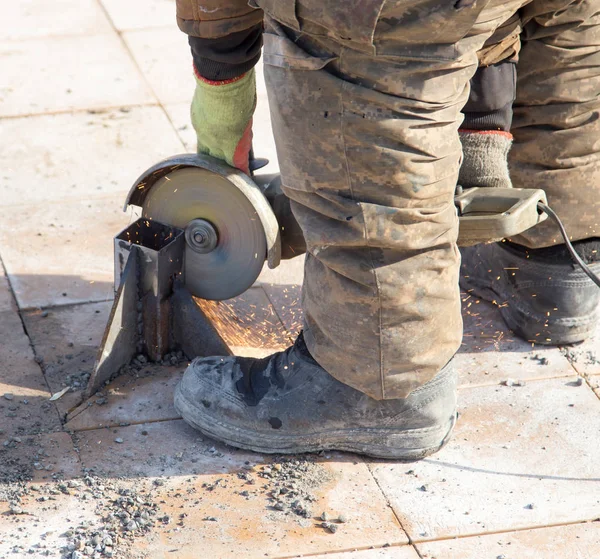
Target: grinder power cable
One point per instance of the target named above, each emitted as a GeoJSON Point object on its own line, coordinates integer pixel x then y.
{"type": "Point", "coordinates": [206, 230]}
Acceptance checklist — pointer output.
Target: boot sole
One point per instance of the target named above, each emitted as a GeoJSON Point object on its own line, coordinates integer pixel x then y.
{"type": "Point", "coordinates": [373, 442]}
{"type": "Point", "coordinates": [537, 329]}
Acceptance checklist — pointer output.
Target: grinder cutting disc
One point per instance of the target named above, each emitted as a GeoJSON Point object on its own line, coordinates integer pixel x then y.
{"type": "Point", "coordinates": [225, 239]}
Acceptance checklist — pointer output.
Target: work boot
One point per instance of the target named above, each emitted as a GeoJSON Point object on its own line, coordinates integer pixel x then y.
{"type": "Point", "coordinates": [543, 296]}
{"type": "Point", "coordinates": [287, 403]}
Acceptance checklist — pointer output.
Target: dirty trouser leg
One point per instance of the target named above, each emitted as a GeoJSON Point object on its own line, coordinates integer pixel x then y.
{"type": "Point", "coordinates": [556, 124]}
{"type": "Point", "coordinates": [369, 154]}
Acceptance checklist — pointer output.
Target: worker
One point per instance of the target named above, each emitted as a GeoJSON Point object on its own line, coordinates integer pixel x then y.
{"type": "Point", "coordinates": [369, 102]}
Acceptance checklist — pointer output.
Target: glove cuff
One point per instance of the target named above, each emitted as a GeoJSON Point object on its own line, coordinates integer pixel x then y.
{"type": "Point", "coordinates": [485, 158]}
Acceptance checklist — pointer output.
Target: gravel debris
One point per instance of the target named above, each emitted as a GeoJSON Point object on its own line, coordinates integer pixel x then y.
{"type": "Point", "coordinates": [540, 359]}
{"type": "Point", "coordinates": [8, 396]}
{"type": "Point", "coordinates": [330, 526]}
{"type": "Point", "coordinates": [512, 382]}
{"type": "Point", "coordinates": [290, 485]}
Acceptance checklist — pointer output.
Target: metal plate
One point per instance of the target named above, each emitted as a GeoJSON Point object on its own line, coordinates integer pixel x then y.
{"type": "Point", "coordinates": [192, 193]}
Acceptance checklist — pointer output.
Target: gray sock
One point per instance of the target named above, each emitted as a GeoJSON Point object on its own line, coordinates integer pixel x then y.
{"type": "Point", "coordinates": [485, 159]}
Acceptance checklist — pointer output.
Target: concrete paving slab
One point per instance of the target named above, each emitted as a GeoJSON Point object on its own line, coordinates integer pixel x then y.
{"type": "Point", "coordinates": [585, 357]}
{"type": "Point", "coordinates": [264, 143]}
{"type": "Point", "coordinates": [81, 155]}
{"type": "Point", "coordinates": [289, 273]}
{"type": "Point", "coordinates": [490, 353]}
{"type": "Point", "coordinates": [37, 18]}
{"type": "Point", "coordinates": [179, 113]}
{"type": "Point", "coordinates": [34, 512]}
{"type": "Point", "coordinates": [402, 552]}
{"type": "Point", "coordinates": [62, 77]}
{"type": "Point", "coordinates": [67, 340]}
{"type": "Point", "coordinates": [62, 253]}
{"type": "Point", "coordinates": [24, 405]}
{"type": "Point", "coordinates": [40, 531]}
{"type": "Point", "coordinates": [286, 299]}
{"type": "Point", "coordinates": [595, 384]}
{"type": "Point", "coordinates": [248, 324]}
{"type": "Point", "coordinates": [139, 14]}
{"type": "Point", "coordinates": [520, 457]}
{"type": "Point", "coordinates": [165, 59]}
{"type": "Point", "coordinates": [581, 541]}
{"type": "Point", "coordinates": [39, 459]}
{"type": "Point", "coordinates": [143, 396]}
{"type": "Point", "coordinates": [163, 448]}
{"type": "Point", "coordinates": [202, 480]}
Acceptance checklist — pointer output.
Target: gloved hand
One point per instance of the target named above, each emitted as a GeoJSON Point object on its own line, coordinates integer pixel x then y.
{"type": "Point", "coordinates": [222, 117]}
{"type": "Point", "coordinates": [485, 158]}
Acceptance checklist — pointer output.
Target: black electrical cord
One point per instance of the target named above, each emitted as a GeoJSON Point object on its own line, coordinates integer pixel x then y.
{"type": "Point", "coordinates": [552, 214]}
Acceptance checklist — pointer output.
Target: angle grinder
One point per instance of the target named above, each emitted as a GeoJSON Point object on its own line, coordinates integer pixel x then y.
{"type": "Point", "coordinates": [233, 222]}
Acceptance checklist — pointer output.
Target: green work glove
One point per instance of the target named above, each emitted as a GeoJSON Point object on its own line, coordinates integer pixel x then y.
{"type": "Point", "coordinates": [222, 117]}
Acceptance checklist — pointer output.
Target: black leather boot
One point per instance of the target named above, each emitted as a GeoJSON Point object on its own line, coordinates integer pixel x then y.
{"type": "Point", "coordinates": [543, 296]}
{"type": "Point", "coordinates": [287, 403]}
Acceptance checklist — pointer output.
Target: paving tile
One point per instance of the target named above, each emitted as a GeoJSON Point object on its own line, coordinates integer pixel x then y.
{"type": "Point", "coordinates": [67, 340]}
{"type": "Point", "coordinates": [24, 405]}
{"type": "Point", "coordinates": [40, 458]}
{"type": "Point", "coordinates": [490, 353]}
{"type": "Point", "coordinates": [179, 113]}
{"type": "Point", "coordinates": [581, 541]}
{"type": "Point", "coordinates": [6, 298]}
{"type": "Point", "coordinates": [264, 143]}
{"type": "Point", "coordinates": [29, 475]}
{"type": "Point", "coordinates": [81, 155]}
{"type": "Point", "coordinates": [37, 18]}
{"type": "Point", "coordinates": [595, 384]}
{"type": "Point", "coordinates": [289, 272]}
{"type": "Point", "coordinates": [163, 448]}
{"type": "Point", "coordinates": [40, 532]}
{"type": "Point", "coordinates": [165, 59]}
{"type": "Point", "coordinates": [286, 299]}
{"type": "Point", "coordinates": [402, 552]}
{"type": "Point", "coordinates": [61, 248]}
{"type": "Point", "coordinates": [520, 457]}
{"type": "Point", "coordinates": [249, 323]}
{"type": "Point", "coordinates": [199, 480]}
{"type": "Point", "coordinates": [132, 398]}
{"type": "Point", "coordinates": [139, 14]}
{"type": "Point", "coordinates": [66, 76]}
{"type": "Point", "coordinates": [585, 357]}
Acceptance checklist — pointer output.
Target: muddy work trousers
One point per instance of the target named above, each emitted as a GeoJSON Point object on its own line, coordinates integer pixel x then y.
{"type": "Point", "coordinates": [366, 100]}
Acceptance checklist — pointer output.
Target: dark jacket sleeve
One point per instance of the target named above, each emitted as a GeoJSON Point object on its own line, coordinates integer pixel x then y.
{"type": "Point", "coordinates": [211, 19]}
{"type": "Point", "coordinates": [225, 36]}
{"type": "Point", "coordinates": [493, 92]}
{"type": "Point", "coordinates": [227, 57]}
